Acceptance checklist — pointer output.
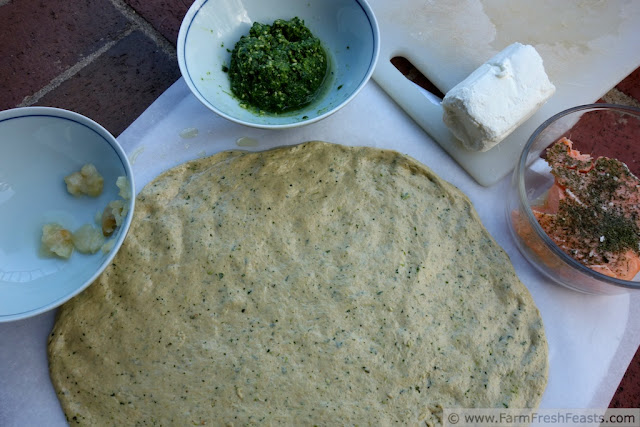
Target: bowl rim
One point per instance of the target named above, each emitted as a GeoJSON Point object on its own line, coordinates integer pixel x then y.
{"type": "Point", "coordinates": [60, 113]}
{"type": "Point", "coordinates": [522, 194]}
{"type": "Point", "coordinates": [194, 9]}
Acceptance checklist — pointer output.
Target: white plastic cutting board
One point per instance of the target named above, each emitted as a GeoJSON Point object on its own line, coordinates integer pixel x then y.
{"type": "Point", "coordinates": [587, 46]}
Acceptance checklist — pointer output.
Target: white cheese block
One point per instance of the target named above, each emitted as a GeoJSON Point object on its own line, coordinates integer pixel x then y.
{"type": "Point", "coordinates": [497, 97]}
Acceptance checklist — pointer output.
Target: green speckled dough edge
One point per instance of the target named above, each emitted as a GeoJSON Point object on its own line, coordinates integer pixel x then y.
{"type": "Point", "coordinates": [355, 306]}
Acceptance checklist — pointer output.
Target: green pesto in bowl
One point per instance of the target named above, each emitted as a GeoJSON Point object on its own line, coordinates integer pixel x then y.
{"type": "Point", "coordinates": [278, 68]}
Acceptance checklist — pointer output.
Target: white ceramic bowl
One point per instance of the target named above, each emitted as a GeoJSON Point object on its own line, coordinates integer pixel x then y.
{"type": "Point", "coordinates": [211, 28]}
{"type": "Point", "coordinates": [39, 146]}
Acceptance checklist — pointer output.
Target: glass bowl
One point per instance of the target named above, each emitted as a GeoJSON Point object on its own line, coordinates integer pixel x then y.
{"type": "Point", "coordinates": [605, 130]}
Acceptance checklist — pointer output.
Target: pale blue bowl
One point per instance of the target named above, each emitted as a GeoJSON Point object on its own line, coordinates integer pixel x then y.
{"type": "Point", "coordinates": [347, 28]}
{"type": "Point", "coordinates": [39, 146]}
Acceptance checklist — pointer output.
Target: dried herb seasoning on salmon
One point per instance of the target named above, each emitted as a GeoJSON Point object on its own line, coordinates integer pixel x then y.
{"type": "Point", "coordinates": [592, 211]}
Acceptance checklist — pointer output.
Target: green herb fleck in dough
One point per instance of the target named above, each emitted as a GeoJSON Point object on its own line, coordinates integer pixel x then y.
{"type": "Point", "coordinates": [279, 67]}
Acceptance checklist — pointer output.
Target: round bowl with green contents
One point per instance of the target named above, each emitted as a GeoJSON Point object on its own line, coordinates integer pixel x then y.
{"type": "Point", "coordinates": [344, 31]}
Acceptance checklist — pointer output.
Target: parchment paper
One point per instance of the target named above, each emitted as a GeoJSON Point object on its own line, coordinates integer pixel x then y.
{"type": "Point", "coordinates": [591, 338]}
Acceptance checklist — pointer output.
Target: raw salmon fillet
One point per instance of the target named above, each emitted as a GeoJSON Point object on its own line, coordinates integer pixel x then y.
{"type": "Point", "coordinates": [592, 211]}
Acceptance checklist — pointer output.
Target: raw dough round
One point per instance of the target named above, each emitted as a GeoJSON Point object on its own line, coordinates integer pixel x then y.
{"type": "Point", "coordinates": [314, 284]}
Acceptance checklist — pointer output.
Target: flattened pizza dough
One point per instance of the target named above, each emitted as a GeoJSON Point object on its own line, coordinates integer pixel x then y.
{"type": "Point", "coordinates": [310, 285]}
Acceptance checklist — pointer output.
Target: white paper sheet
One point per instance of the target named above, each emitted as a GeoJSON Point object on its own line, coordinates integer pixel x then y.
{"type": "Point", "coordinates": [591, 338]}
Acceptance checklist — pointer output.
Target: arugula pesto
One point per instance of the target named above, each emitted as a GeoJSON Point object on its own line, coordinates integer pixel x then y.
{"type": "Point", "coordinates": [279, 67]}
